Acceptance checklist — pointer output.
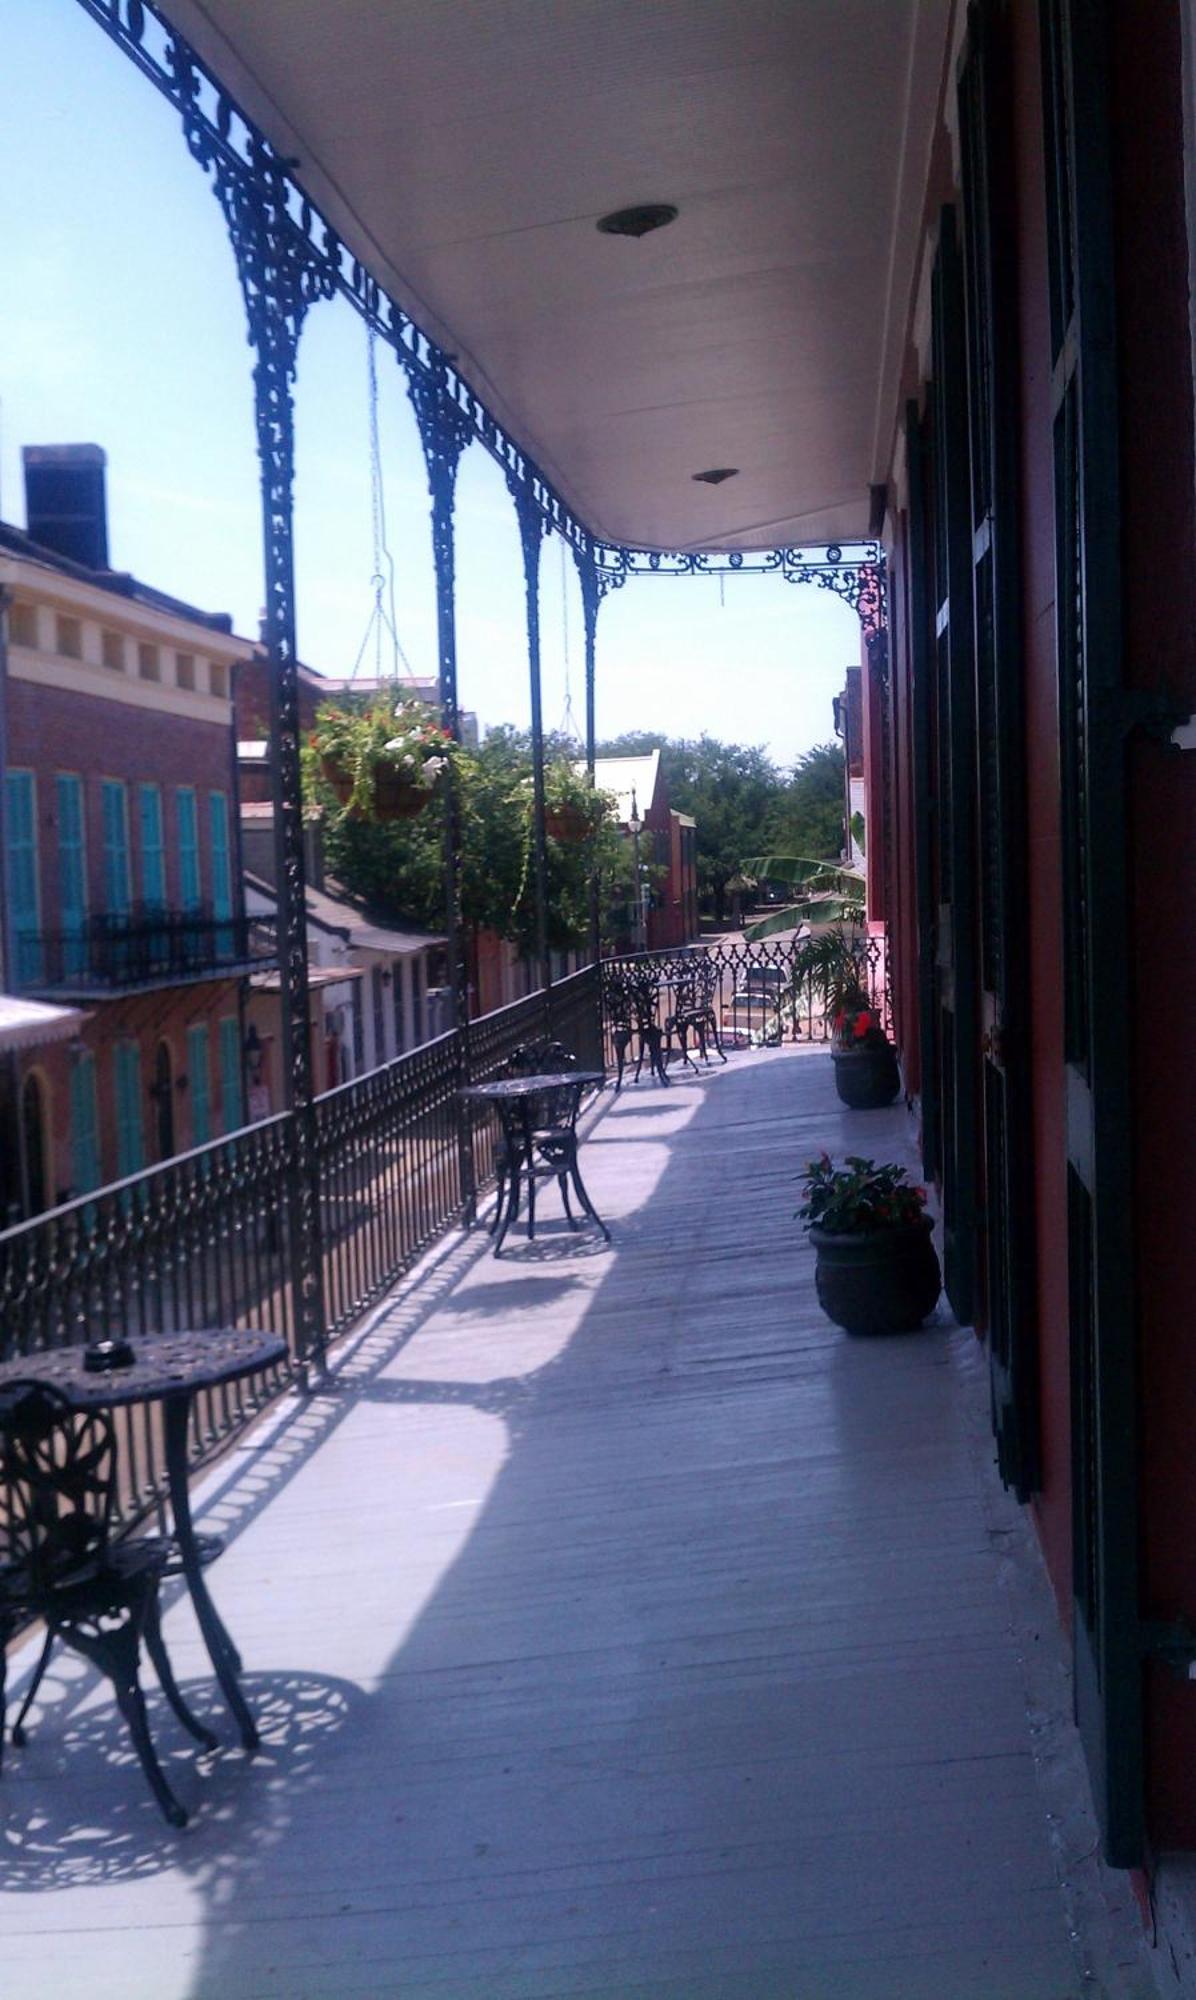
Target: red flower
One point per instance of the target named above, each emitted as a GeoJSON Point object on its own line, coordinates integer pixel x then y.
{"type": "Point", "coordinates": [863, 1021]}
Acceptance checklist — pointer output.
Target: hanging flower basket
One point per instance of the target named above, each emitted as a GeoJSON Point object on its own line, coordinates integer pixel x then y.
{"type": "Point", "coordinates": [566, 822]}
{"type": "Point", "coordinates": [337, 778]}
{"type": "Point", "coordinates": [382, 762]}
{"type": "Point", "coordinates": [395, 797]}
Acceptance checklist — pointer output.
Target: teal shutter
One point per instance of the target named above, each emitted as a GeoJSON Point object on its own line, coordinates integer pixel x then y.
{"type": "Point", "coordinates": [85, 1124]}
{"type": "Point", "coordinates": [231, 1094]}
{"type": "Point", "coordinates": [130, 1138]}
{"type": "Point", "coordinates": [199, 1084]}
{"type": "Point", "coordinates": [189, 889]}
{"type": "Point", "coordinates": [23, 898]}
{"type": "Point", "coordinates": [153, 858]}
{"type": "Point", "coordinates": [115, 798]}
{"type": "Point", "coordinates": [72, 874]}
{"type": "Point", "coordinates": [222, 886]}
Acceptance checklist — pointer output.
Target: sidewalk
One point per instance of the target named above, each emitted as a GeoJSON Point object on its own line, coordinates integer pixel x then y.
{"type": "Point", "coordinates": [618, 1628]}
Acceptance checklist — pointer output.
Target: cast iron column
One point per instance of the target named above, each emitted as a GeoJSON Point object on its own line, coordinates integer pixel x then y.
{"type": "Point", "coordinates": [280, 277]}
{"type": "Point", "coordinates": [445, 431]}
{"type": "Point", "coordinates": [532, 529]}
{"type": "Point", "coordinates": [591, 598]}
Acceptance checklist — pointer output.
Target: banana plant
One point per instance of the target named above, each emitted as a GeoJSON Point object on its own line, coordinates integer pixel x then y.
{"type": "Point", "coordinates": [832, 894]}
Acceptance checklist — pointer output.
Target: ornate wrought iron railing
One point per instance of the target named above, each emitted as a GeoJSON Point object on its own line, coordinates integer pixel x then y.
{"type": "Point", "coordinates": [389, 1172]}
{"type": "Point", "coordinates": [112, 952]}
{"type": "Point", "coordinates": [761, 997]}
{"type": "Point", "coordinates": [209, 1238]}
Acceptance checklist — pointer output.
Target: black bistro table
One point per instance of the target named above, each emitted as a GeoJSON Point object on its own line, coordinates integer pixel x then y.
{"type": "Point", "coordinates": [538, 1115]}
{"type": "Point", "coordinates": [170, 1368]}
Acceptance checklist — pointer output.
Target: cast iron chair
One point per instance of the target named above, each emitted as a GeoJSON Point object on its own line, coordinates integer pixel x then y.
{"type": "Point", "coordinates": [539, 1140]}
{"type": "Point", "coordinates": [695, 1011]}
{"type": "Point", "coordinates": [544, 1057]}
{"type": "Point", "coordinates": [631, 1011]}
{"type": "Point", "coordinates": [99, 1596]}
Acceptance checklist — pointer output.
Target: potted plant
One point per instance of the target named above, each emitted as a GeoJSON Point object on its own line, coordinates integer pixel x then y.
{"type": "Point", "coordinates": [572, 808]}
{"type": "Point", "coordinates": [876, 1270]}
{"type": "Point", "coordinates": [866, 1073]}
{"type": "Point", "coordinates": [382, 759]}
{"type": "Point", "coordinates": [830, 967]}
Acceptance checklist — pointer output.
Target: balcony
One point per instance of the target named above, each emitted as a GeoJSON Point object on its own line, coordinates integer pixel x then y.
{"type": "Point", "coordinates": [146, 948]}
{"type": "Point", "coordinates": [615, 1626]}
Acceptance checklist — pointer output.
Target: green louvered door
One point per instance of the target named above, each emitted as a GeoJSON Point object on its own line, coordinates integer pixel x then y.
{"type": "Point", "coordinates": [1100, 1249]}
{"type": "Point", "coordinates": [921, 661]}
{"type": "Point", "coordinates": [1007, 1295]}
{"type": "Point", "coordinates": [953, 777]}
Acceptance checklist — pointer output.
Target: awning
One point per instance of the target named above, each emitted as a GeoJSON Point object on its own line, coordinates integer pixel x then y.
{"type": "Point", "coordinates": [317, 975]}
{"type": "Point", "coordinates": [26, 1024]}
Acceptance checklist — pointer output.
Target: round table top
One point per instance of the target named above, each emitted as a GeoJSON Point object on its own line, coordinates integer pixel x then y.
{"type": "Point", "coordinates": [164, 1364]}
{"type": "Point", "coordinates": [530, 1086]}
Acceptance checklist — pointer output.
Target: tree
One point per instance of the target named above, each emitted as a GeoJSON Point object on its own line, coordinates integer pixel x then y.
{"type": "Point", "coordinates": [743, 803]}
{"type": "Point", "coordinates": [731, 790]}
{"type": "Point", "coordinates": [398, 869]}
{"type": "Point", "coordinates": [810, 815]}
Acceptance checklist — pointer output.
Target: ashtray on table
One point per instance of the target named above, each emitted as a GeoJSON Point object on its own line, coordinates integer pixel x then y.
{"type": "Point", "coordinates": [103, 1356]}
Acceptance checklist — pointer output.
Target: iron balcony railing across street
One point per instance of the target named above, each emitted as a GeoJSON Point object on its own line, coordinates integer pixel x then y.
{"type": "Point", "coordinates": [120, 951]}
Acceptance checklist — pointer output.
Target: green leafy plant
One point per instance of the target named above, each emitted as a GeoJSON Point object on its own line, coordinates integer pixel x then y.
{"type": "Point", "coordinates": [859, 1197]}
{"type": "Point", "coordinates": [830, 894]}
{"type": "Point", "coordinates": [831, 967]}
{"type": "Point", "coordinates": [354, 746]}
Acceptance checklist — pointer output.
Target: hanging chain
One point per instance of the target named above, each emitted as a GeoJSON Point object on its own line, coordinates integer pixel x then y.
{"type": "Point", "coordinates": [382, 580]}
{"type": "Point", "coordinates": [568, 719]}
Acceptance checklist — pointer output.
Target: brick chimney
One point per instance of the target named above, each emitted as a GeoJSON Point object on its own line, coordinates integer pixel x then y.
{"type": "Point", "coordinates": [65, 505]}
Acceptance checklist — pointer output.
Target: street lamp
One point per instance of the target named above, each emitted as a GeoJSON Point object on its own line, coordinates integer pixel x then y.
{"type": "Point", "coordinates": [635, 827]}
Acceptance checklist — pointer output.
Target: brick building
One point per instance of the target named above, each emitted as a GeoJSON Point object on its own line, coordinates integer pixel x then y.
{"type": "Point", "coordinates": [121, 884]}
{"type": "Point", "coordinates": [667, 842]}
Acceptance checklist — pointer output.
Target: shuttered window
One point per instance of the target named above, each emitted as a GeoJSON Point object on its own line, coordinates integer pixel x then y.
{"type": "Point", "coordinates": [231, 1094]}
{"type": "Point", "coordinates": [130, 1137]}
{"type": "Point", "coordinates": [199, 1084]}
{"type": "Point", "coordinates": [72, 871]}
{"type": "Point", "coordinates": [188, 823]}
{"type": "Point", "coordinates": [23, 898]}
{"type": "Point", "coordinates": [153, 855]}
{"type": "Point", "coordinates": [85, 1124]}
{"type": "Point", "coordinates": [115, 813]}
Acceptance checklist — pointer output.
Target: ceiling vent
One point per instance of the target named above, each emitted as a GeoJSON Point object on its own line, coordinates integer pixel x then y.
{"type": "Point", "coordinates": [717, 474]}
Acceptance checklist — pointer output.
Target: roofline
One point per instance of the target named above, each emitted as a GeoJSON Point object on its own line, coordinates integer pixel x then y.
{"type": "Point", "coordinates": [117, 583]}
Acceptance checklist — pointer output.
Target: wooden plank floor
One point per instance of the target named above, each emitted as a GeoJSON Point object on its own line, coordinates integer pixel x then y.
{"type": "Point", "coordinates": [617, 1627]}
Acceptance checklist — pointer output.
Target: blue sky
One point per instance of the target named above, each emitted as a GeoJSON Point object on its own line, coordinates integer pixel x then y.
{"type": "Point", "coordinates": [122, 325]}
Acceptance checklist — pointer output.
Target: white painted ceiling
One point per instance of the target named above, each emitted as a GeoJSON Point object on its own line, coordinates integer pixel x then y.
{"type": "Point", "coordinates": [465, 148]}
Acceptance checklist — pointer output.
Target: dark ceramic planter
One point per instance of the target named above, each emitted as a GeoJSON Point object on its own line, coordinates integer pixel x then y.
{"type": "Point", "coordinates": [866, 1079]}
{"type": "Point", "coordinates": [880, 1281]}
